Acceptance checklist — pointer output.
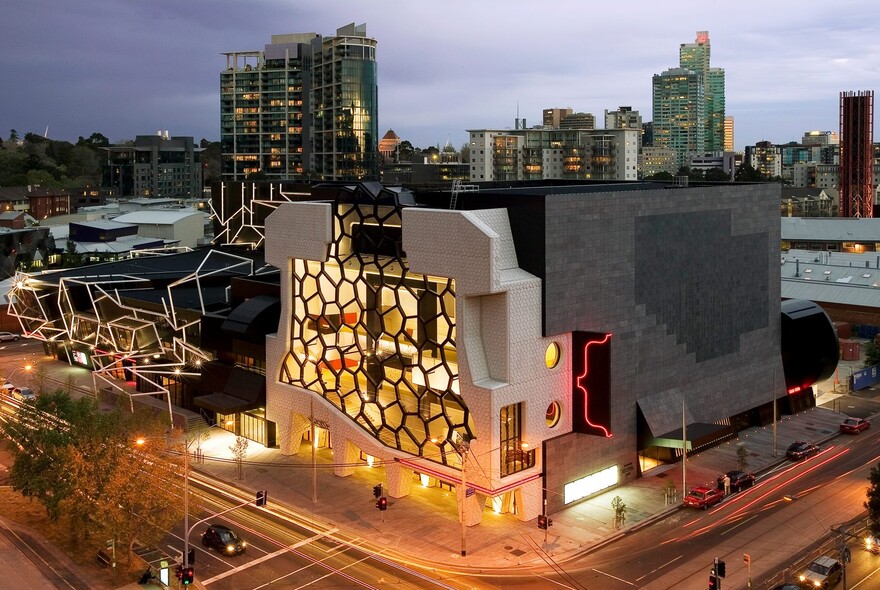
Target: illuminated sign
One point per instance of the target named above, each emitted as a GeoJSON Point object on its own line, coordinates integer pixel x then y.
{"type": "Point", "coordinates": [589, 485]}
{"type": "Point", "coordinates": [80, 358]}
{"type": "Point", "coordinates": [591, 410]}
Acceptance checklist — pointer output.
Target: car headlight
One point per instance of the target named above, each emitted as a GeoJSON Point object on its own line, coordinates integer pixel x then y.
{"type": "Point", "coordinates": [803, 578]}
{"type": "Point", "coordinates": [243, 544]}
{"type": "Point", "coordinates": [817, 583]}
{"type": "Point", "coordinates": [230, 548]}
{"type": "Point", "coordinates": [868, 544]}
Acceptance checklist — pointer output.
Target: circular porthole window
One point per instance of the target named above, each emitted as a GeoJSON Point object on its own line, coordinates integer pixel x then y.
{"type": "Point", "coordinates": [551, 356]}
{"type": "Point", "coordinates": [554, 413]}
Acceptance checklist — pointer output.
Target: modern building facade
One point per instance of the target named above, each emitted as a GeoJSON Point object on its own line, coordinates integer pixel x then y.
{"type": "Point", "coordinates": [303, 108]}
{"type": "Point", "coordinates": [856, 154]}
{"type": "Point", "coordinates": [679, 106]}
{"type": "Point", "coordinates": [689, 103]}
{"type": "Point", "coordinates": [728, 133]}
{"type": "Point", "coordinates": [696, 56]}
{"type": "Point", "coordinates": [156, 166]}
{"type": "Point", "coordinates": [531, 341]}
{"type": "Point", "coordinates": [553, 117]}
{"type": "Point", "coordinates": [540, 154]}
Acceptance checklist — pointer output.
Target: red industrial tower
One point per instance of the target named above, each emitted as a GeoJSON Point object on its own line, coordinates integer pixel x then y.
{"type": "Point", "coordinates": [856, 154]}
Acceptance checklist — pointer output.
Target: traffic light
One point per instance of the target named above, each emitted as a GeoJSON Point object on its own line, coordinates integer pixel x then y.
{"type": "Point", "coordinates": [377, 490]}
{"type": "Point", "coordinates": [544, 522]}
{"type": "Point", "coordinates": [188, 576]}
{"type": "Point", "coordinates": [721, 569]}
{"type": "Point", "coordinates": [382, 504]}
{"type": "Point", "coordinates": [262, 496]}
{"type": "Point", "coordinates": [179, 572]}
{"type": "Point", "coordinates": [713, 583]}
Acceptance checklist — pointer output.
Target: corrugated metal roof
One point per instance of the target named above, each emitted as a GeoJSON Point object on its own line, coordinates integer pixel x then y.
{"type": "Point", "coordinates": [831, 277]}
{"type": "Point", "coordinates": [830, 229]}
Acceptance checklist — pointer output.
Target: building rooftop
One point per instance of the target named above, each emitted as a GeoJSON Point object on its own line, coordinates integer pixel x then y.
{"type": "Point", "coordinates": [831, 277]}
{"type": "Point", "coordinates": [830, 229]}
{"type": "Point", "coordinates": [160, 217]}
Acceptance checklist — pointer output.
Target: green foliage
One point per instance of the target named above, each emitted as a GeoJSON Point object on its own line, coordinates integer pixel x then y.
{"type": "Point", "coordinates": [873, 501]}
{"type": "Point", "coordinates": [82, 465]}
{"type": "Point", "coordinates": [872, 354]}
{"type": "Point", "coordinates": [50, 163]}
{"type": "Point", "coordinates": [662, 175]}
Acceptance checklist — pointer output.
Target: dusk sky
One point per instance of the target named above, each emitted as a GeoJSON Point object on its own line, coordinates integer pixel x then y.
{"type": "Point", "coordinates": [133, 67]}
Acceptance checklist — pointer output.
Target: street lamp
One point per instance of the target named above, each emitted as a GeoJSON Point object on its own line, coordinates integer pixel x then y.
{"type": "Point", "coordinates": [462, 447]}
{"type": "Point", "coordinates": [140, 442]}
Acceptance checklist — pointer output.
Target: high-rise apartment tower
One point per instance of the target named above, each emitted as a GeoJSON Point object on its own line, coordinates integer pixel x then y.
{"type": "Point", "coordinates": [677, 114]}
{"type": "Point", "coordinates": [304, 107]}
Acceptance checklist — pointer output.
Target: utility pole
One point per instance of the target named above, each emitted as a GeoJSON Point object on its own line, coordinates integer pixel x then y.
{"type": "Point", "coordinates": [314, 451]}
{"type": "Point", "coordinates": [843, 551]}
{"type": "Point", "coordinates": [773, 393]}
{"type": "Point", "coordinates": [684, 450]}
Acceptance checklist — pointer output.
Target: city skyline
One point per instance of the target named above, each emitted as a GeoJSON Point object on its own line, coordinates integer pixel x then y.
{"type": "Point", "coordinates": [133, 69]}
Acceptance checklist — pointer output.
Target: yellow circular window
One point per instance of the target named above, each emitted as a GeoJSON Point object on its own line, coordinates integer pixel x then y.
{"type": "Point", "coordinates": [554, 412]}
{"type": "Point", "coordinates": [551, 357]}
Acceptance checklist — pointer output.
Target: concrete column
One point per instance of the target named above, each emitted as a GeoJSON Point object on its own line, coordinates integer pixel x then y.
{"type": "Point", "coordinates": [529, 500]}
{"type": "Point", "coordinates": [299, 426]}
{"type": "Point", "coordinates": [346, 458]}
{"type": "Point", "coordinates": [399, 480]}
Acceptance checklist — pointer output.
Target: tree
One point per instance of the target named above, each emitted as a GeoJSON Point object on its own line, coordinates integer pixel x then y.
{"type": "Point", "coordinates": [82, 465]}
{"type": "Point", "coordinates": [746, 173]}
{"type": "Point", "coordinates": [239, 453]}
{"type": "Point", "coordinates": [13, 135]}
{"type": "Point", "coordinates": [465, 152]}
{"type": "Point", "coordinates": [873, 501]}
{"type": "Point", "coordinates": [662, 175]}
{"type": "Point", "coordinates": [872, 354]}
{"type": "Point", "coordinates": [716, 175]}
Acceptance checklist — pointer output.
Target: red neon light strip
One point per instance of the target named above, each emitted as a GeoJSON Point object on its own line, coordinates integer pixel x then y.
{"type": "Point", "coordinates": [579, 386]}
{"type": "Point", "coordinates": [420, 467]}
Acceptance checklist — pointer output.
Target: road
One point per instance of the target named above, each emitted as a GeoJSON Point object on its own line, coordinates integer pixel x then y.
{"type": "Point", "coordinates": [287, 550]}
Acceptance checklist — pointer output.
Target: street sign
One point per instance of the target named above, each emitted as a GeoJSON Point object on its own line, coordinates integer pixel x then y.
{"type": "Point", "coordinates": [747, 559]}
{"type": "Point", "coordinates": [469, 492]}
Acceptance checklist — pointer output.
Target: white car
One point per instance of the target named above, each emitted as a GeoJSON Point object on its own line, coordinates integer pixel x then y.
{"type": "Point", "coordinates": [9, 337]}
{"type": "Point", "coordinates": [23, 394]}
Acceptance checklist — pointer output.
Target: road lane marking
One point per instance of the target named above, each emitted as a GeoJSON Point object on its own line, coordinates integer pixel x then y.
{"type": "Point", "coordinates": [661, 567]}
{"type": "Point", "coordinates": [739, 524]}
{"type": "Point", "coordinates": [614, 577]}
{"type": "Point", "coordinates": [268, 556]}
{"type": "Point", "coordinates": [554, 581]}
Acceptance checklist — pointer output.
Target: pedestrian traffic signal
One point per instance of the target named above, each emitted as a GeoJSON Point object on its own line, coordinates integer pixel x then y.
{"type": "Point", "coordinates": [721, 569]}
{"type": "Point", "coordinates": [377, 490]}
{"type": "Point", "coordinates": [188, 576]}
{"type": "Point", "coordinates": [262, 496]}
{"type": "Point", "coordinates": [382, 504]}
{"type": "Point", "coordinates": [713, 583]}
{"type": "Point", "coordinates": [544, 522]}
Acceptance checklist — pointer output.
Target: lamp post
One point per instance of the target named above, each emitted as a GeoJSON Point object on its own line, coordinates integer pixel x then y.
{"type": "Point", "coordinates": [140, 442]}
{"type": "Point", "coordinates": [462, 447]}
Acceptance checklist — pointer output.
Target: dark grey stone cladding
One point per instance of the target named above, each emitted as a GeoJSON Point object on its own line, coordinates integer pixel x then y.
{"type": "Point", "coordinates": [687, 282]}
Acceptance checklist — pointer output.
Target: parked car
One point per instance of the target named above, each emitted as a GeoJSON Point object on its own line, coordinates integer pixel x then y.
{"type": "Point", "coordinates": [801, 450]}
{"type": "Point", "coordinates": [223, 539]}
{"type": "Point", "coordinates": [739, 480]}
{"type": "Point", "coordinates": [824, 572]}
{"type": "Point", "coordinates": [9, 337]}
{"type": "Point", "coordinates": [6, 388]}
{"type": "Point", "coordinates": [703, 497]}
{"type": "Point", "coordinates": [854, 425]}
{"type": "Point", "coordinates": [23, 394]}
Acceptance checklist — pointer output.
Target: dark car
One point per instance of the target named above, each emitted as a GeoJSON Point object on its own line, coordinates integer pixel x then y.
{"type": "Point", "coordinates": [703, 497]}
{"type": "Point", "coordinates": [223, 539]}
{"type": "Point", "coordinates": [854, 425]}
{"type": "Point", "coordinates": [739, 480]}
{"type": "Point", "coordinates": [801, 450]}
